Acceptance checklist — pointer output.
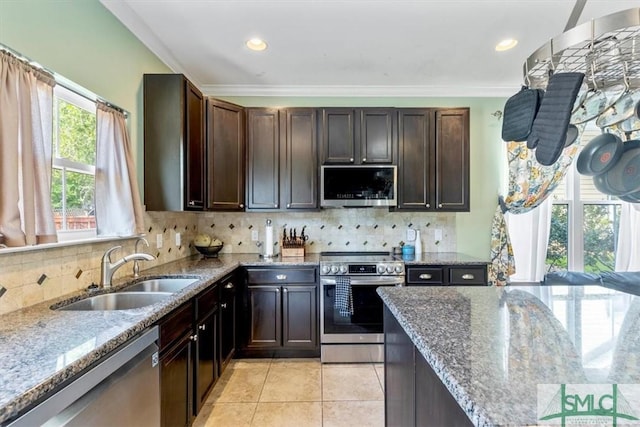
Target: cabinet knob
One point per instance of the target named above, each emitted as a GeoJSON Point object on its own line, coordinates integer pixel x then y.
{"type": "Point", "coordinates": [277, 290]}
{"type": "Point", "coordinates": [439, 205]}
{"type": "Point", "coordinates": [281, 277]}
{"type": "Point", "coordinates": [288, 205]}
{"type": "Point", "coordinates": [284, 290]}
{"type": "Point", "coordinates": [275, 206]}
{"type": "Point", "coordinates": [193, 338]}
{"type": "Point", "coordinates": [364, 160]}
{"type": "Point", "coordinates": [223, 305]}
{"type": "Point", "coordinates": [228, 286]}
{"type": "Point", "coordinates": [428, 205]}
{"type": "Point", "coordinates": [425, 276]}
{"type": "Point", "coordinates": [241, 205]}
{"type": "Point", "coordinates": [468, 276]}
{"type": "Point", "coordinates": [192, 203]}
{"type": "Point", "coordinates": [351, 160]}
{"type": "Point", "coordinates": [202, 327]}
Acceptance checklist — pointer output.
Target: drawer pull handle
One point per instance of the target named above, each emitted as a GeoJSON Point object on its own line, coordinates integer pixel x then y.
{"type": "Point", "coordinates": [425, 276]}
{"type": "Point", "coordinates": [281, 277]}
{"type": "Point", "coordinates": [468, 276]}
{"type": "Point", "coordinates": [229, 286]}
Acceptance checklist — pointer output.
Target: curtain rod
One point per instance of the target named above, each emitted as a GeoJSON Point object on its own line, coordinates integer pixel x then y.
{"type": "Point", "coordinates": [65, 82]}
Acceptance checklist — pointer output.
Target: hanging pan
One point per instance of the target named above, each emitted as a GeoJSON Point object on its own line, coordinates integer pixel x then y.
{"type": "Point", "coordinates": [572, 135]}
{"type": "Point", "coordinates": [631, 198]}
{"type": "Point", "coordinates": [622, 110]}
{"type": "Point", "coordinates": [624, 177]}
{"type": "Point", "coordinates": [599, 155]}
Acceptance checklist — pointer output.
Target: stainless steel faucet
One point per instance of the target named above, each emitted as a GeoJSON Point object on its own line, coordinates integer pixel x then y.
{"type": "Point", "coordinates": [107, 268]}
{"type": "Point", "coordinates": [136, 264]}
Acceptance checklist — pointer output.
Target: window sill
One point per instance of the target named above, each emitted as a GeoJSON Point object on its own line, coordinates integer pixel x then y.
{"type": "Point", "coordinates": [66, 243]}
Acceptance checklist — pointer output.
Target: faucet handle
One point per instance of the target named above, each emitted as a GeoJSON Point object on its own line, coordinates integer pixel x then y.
{"type": "Point", "coordinates": [107, 254]}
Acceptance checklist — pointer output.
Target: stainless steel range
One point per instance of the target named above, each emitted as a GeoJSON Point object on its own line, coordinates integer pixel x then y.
{"type": "Point", "coordinates": [354, 335]}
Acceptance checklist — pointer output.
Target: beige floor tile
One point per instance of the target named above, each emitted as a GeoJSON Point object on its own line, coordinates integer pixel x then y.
{"type": "Point", "coordinates": [296, 363]}
{"type": "Point", "coordinates": [356, 413]}
{"type": "Point", "coordinates": [350, 382]}
{"type": "Point", "coordinates": [239, 385]}
{"type": "Point", "coordinates": [226, 415]}
{"type": "Point", "coordinates": [250, 363]}
{"type": "Point", "coordinates": [288, 414]}
{"type": "Point", "coordinates": [286, 384]}
{"type": "Point", "coordinates": [380, 371]}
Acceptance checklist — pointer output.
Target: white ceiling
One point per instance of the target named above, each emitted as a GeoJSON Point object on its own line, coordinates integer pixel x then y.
{"type": "Point", "coordinates": [351, 47]}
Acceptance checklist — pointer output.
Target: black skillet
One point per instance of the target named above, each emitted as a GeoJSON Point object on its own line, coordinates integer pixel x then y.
{"type": "Point", "coordinates": [624, 177]}
{"type": "Point", "coordinates": [600, 154]}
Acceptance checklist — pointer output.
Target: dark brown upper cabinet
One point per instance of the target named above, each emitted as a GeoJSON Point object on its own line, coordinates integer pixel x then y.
{"type": "Point", "coordinates": [174, 144]}
{"type": "Point", "coordinates": [433, 159]}
{"type": "Point", "coordinates": [226, 155]}
{"type": "Point", "coordinates": [358, 136]}
{"type": "Point", "coordinates": [282, 159]}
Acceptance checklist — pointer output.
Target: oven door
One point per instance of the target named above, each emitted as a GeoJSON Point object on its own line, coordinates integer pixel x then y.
{"type": "Point", "coordinates": [365, 324]}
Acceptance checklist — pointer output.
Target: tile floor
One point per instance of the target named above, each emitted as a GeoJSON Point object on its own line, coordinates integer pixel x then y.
{"type": "Point", "coordinates": [295, 392]}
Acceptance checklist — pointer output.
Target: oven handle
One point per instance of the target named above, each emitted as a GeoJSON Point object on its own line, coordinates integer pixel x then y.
{"type": "Point", "coordinates": [367, 282]}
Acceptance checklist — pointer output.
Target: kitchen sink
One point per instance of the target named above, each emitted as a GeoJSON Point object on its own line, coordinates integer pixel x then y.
{"type": "Point", "coordinates": [117, 301]}
{"type": "Point", "coordinates": [170, 284]}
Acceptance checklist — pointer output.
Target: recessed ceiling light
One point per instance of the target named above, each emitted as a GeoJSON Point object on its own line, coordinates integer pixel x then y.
{"type": "Point", "coordinates": [256, 44]}
{"type": "Point", "coordinates": [506, 44]}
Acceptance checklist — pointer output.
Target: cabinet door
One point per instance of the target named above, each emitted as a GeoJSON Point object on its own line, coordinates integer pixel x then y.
{"type": "Point", "coordinates": [414, 159]}
{"type": "Point", "coordinates": [265, 316]}
{"type": "Point", "coordinates": [175, 385]}
{"type": "Point", "coordinates": [376, 135]}
{"type": "Point", "coordinates": [299, 313]}
{"type": "Point", "coordinates": [299, 175]}
{"type": "Point", "coordinates": [399, 379]}
{"type": "Point", "coordinates": [225, 143]}
{"type": "Point", "coordinates": [195, 148]}
{"type": "Point", "coordinates": [263, 158]}
{"type": "Point", "coordinates": [206, 357]}
{"type": "Point", "coordinates": [452, 159]}
{"type": "Point", "coordinates": [227, 321]}
{"type": "Point", "coordinates": [338, 136]}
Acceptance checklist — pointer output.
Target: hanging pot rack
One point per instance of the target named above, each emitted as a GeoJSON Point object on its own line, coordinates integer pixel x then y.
{"type": "Point", "coordinates": [606, 50]}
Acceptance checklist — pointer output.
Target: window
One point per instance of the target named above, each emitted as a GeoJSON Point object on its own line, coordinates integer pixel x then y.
{"type": "Point", "coordinates": [584, 223]}
{"type": "Point", "coordinates": [74, 159]}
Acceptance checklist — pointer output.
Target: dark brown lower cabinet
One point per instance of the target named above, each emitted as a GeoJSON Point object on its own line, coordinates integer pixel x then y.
{"type": "Point", "coordinates": [265, 319]}
{"type": "Point", "coordinates": [228, 315]}
{"type": "Point", "coordinates": [414, 395]}
{"type": "Point", "coordinates": [207, 357]}
{"type": "Point", "coordinates": [299, 316]}
{"type": "Point", "coordinates": [176, 373]}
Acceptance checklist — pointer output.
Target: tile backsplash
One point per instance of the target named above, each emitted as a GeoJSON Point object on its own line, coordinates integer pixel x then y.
{"type": "Point", "coordinates": [30, 277]}
{"type": "Point", "coordinates": [333, 229]}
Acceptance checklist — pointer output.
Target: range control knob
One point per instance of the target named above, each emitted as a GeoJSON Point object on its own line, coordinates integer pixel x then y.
{"type": "Point", "coordinates": [325, 269]}
{"type": "Point", "coordinates": [389, 269]}
{"type": "Point", "coordinates": [334, 269]}
{"type": "Point", "coordinates": [381, 269]}
{"type": "Point", "coordinates": [343, 269]}
{"type": "Point", "coordinates": [399, 269]}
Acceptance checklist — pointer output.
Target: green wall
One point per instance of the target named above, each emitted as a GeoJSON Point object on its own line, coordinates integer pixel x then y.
{"type": "Point", "coordinates": [488, 161]}
{"type": "Point", "coordinates": [85, 43]}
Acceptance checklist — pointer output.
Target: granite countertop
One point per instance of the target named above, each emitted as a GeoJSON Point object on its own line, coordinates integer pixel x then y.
{"type": "Point", "coordinates": [41, 348]}
{"type": "Point", "coordinates": [492, 347]}
{"type": "Point", "coordinates": [443, 258]}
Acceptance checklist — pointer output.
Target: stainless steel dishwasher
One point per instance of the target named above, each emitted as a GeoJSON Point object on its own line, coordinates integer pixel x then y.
{"type": "Point", "coordinates": [122, 390]}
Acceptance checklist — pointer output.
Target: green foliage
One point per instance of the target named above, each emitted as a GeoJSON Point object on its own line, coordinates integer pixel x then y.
{"type": "Point", "coordinates": [74, 139]}
{"type": "Point", "coordinates": [600, 236]}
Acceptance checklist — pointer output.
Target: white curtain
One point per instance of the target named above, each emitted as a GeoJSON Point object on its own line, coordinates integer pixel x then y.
{"type": "Point", "coordinates": [529, 235]}
{"type": "Point", "coordinates": [26, 109]}
{"type": "Point", "coordinates": [118, 206]}
{"type": "Point", "coordinates": [628, 248]}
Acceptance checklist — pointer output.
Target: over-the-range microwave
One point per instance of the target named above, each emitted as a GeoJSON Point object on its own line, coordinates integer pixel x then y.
{"type": "Point", "coordinates": [358, 186]}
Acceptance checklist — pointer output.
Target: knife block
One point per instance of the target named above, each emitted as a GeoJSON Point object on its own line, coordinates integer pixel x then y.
{"type": "Point", "coordinates": [292, 251]}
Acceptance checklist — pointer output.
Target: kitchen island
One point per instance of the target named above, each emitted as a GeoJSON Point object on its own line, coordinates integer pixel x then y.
{"type": "Point", "coordinates": [482, 352]}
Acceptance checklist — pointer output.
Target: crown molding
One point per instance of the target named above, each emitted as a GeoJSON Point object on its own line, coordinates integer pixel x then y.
{"type": "Point", "coordinates": [358, 91]}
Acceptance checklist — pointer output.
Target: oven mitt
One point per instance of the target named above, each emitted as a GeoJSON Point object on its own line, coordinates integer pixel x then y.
{"type": "Point", "coordinates": [519, 113]}
{"type": "Point", "coordinates": [549, 131]}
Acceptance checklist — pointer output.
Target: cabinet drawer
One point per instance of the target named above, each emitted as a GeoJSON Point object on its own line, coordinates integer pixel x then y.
{"type": "Point", "coordinates": [297, 275]}
{"type": "Point", "coordinates": [467, 276]}
{"type": "Point", "coordinates": [206, 301]}
{"type": "Point", "coordinates": [176, 325]}
{"type": "Point", "coordinates": [424, 276]}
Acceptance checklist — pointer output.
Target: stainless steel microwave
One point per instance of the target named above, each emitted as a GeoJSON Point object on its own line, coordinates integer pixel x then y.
{"type": "Point", "coordinates": [358, 186]}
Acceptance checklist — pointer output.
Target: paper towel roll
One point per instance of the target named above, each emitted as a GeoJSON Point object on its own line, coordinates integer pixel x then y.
{"type": "Point", "coordinates": [268, 239]}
